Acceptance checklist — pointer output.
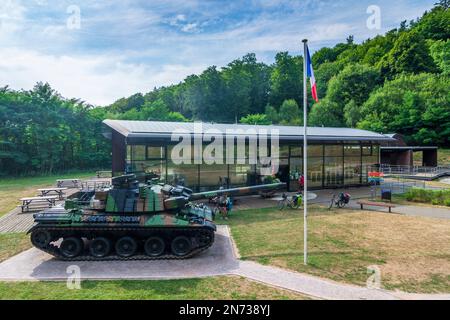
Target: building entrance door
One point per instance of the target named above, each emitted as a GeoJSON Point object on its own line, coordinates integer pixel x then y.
{"type": "Point", "coordinates": [283, 174]}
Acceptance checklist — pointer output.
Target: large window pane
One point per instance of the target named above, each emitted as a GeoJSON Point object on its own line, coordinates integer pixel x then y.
{"type": "Point", "coordinates": [315, 171]}
{"type": "Point", "coordinates": [352, 170]}
{"type": "Point", "coordinates": [242, 175]}
{"type": "Point", "coordinates": [315, 151]}
{"type": "Point", "coordinates": [296, 170]}
{"type": "Point", "coordinates": [185, 175]}
{"type": "Point", "coordinates": [156, 152]}
{"type": "Point", "coordinates": [157, 167]}
{"type": "Point", "coordinates": [128, 157]}
{"type": "Point", "coordinates": [352, 150]}
{"type": "Point", "coordinates": [137, 153]}
{"type": "Point", "coordinates": [296, 151]}
{"type": "Point", "coordinates": [334, 150]}
{"type": "Point", "coordinates": [367, 150]}
{"type": "Point", "coordinates": [211, 176]}
{"type": "Point", "coordinates": [333, 172]}
{"type": "Point", "coordinates": [284, 151]}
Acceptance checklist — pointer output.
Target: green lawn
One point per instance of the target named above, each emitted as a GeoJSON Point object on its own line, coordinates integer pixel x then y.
{"type": "Point", "coordinates": [12, 189]}
{"type": "Point", "coordinates": [217, 288]}
{"type": "Point", "coordinates": [12, 244]}
{"type": "Point", "coordinates": [412, 253]}
{"type": "Point", "coordinates": [444, 157]}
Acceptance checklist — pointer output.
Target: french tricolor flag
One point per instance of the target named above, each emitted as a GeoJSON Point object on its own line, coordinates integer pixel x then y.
{"type": "Point", "coordinates": [310, 74]}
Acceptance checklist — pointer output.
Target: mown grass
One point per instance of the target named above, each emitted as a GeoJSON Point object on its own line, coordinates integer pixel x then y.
{"type": "Point", "coordinates": [217, 288]}
{"type": "Point", "coordinates": [411, 252]}
{"type": "Point", "coordinates": [12, 244]}
{"type": "Point", "coordinates": [12, 189]}
{"type": "Point", "coordinates": [444, 157]}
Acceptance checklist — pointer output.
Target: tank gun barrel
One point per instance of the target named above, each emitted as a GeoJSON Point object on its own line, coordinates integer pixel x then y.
{"type": "Point", "coordinates": [237, 191]}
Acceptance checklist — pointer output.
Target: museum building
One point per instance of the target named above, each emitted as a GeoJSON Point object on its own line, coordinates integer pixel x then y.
{"type": "Point", "coordinates": [337, 157]}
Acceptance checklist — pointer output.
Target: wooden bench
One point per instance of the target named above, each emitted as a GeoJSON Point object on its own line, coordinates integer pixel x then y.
{"type": "Point", "coordinates": [376, 204]}
{"type": "Point", "coordinates": [48, 201]}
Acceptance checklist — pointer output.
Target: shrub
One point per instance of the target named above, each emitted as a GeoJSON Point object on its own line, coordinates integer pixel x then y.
{"type": "Point", "coordinates": [435, 197]}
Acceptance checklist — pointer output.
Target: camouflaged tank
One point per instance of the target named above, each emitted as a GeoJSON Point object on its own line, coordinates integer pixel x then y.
{"type": "Point", "coordinates": [131, 220]}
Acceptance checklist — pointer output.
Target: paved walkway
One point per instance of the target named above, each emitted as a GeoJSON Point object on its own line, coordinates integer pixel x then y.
{"type": "Point", "coordinates": [220, 259]}
{"type": "Point", "coordinates": [16, 221]}
{"type": "Point", "coordinates": [410, 210]}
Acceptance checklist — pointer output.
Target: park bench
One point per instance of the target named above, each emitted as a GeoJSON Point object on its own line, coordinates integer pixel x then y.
{"type": "Point", "coordinates": [376, 204]}
{"type": "Point", "coordinates": [104, 174]}
{"type": "Point", "coordinates": [38, 202]}
{"type": "Point", "coordinates": [49, 191]}
{"type": "Point", "coordinates": [68, 183]}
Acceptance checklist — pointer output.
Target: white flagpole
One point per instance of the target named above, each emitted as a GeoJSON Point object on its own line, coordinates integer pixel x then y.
{"type": "Point", "coordinates": [305, 155]}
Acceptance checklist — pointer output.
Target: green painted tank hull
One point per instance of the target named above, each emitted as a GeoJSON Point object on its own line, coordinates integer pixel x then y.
{"type": "Point", "coordinates": [130, 221]}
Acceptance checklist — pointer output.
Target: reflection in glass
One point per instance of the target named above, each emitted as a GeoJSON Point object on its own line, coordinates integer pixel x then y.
{"type": "Point", "coordinates": [213, 176]}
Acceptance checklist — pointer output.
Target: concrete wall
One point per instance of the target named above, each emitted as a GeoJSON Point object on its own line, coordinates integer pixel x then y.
{"type": "Point", "coordinates": [397, 158]}
{"type": "Point", "coordinates": [430, 158]}
{"type": "Point", "coordinates": [119, 153]}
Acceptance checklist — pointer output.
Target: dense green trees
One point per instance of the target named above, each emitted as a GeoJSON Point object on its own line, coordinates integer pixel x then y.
{"type": "Point", "coordinates": [350, 88]}
{"type": "Point", "coordinates": [416, 105]}
{"type": "Point", "coordinates": [43, 133]}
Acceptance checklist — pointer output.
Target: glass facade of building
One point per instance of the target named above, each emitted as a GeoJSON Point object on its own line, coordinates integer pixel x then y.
{"type": "Point", "coordinates": [329, 166]}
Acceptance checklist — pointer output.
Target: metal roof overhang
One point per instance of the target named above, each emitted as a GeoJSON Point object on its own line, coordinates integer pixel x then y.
{"type": "Point", "coordinates": [406, 148]}
{"type": "Point", "coordinates": [136, 137]}
{"type": "Point", "coordinates": [142, 138]}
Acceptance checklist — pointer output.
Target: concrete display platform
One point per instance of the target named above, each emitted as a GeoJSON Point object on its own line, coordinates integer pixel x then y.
{"type": "Point", "coordinates": [34, 264]}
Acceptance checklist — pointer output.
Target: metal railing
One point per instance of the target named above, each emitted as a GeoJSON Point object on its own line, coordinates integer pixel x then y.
{"type": "Point", "coordinates": [397, 187]}
{"type": "Point", "coordinates": [413, 170]}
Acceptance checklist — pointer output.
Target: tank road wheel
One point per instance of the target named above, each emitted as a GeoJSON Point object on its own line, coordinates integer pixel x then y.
{"type": "Point", "coordinates": [100, 247]}
{"type": "Point", "coordinates": [205, 239]}
{"type": "Point", "coordinates": [126, 247]}
{"type": "Point", "coordinates": [181, 246]}
{"type": "Point", "coordinates": [71, 247]}
{"type": "Point", "coordinates": [154, 246]}
{"type": "Point", "coordinates": [40, 238]}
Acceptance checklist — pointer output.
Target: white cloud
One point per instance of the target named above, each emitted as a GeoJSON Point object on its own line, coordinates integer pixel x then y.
{"type": "Point", "coordinates": [96, 79]}
{"type": "Point", "coordinates": [165, 41]}
{"type": "Point", "coordinates": [11, 17]}
{"type": "Point", "coordinates": [190, 27]}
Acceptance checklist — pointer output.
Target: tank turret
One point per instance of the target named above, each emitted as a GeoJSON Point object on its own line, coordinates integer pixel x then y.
{"type": "Point", "coordinates": [132, 220]}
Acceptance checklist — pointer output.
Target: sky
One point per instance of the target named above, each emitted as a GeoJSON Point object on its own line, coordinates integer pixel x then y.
{"type": "Point", "coordinates": [99, 51]}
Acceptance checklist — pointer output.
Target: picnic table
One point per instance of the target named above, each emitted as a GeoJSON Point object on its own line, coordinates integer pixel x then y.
{"type": "Point", "coordinates": [48, 201]}
{"type": "Point", "coordinates": [69, 183]}
{"type": "Point", "coordinates": [48, 191]}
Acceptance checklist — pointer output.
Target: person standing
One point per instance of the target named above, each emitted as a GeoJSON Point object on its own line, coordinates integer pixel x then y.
{"type": "Point", "coordinates": [301, 183]}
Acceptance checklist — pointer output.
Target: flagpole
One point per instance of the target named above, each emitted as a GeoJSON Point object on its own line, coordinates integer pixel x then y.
{"type": "Point", "coordinates": [305, 155]}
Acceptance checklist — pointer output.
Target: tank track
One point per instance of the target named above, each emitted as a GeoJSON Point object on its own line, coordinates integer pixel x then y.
{"type": "Point", "coordinates": [54, 250]}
